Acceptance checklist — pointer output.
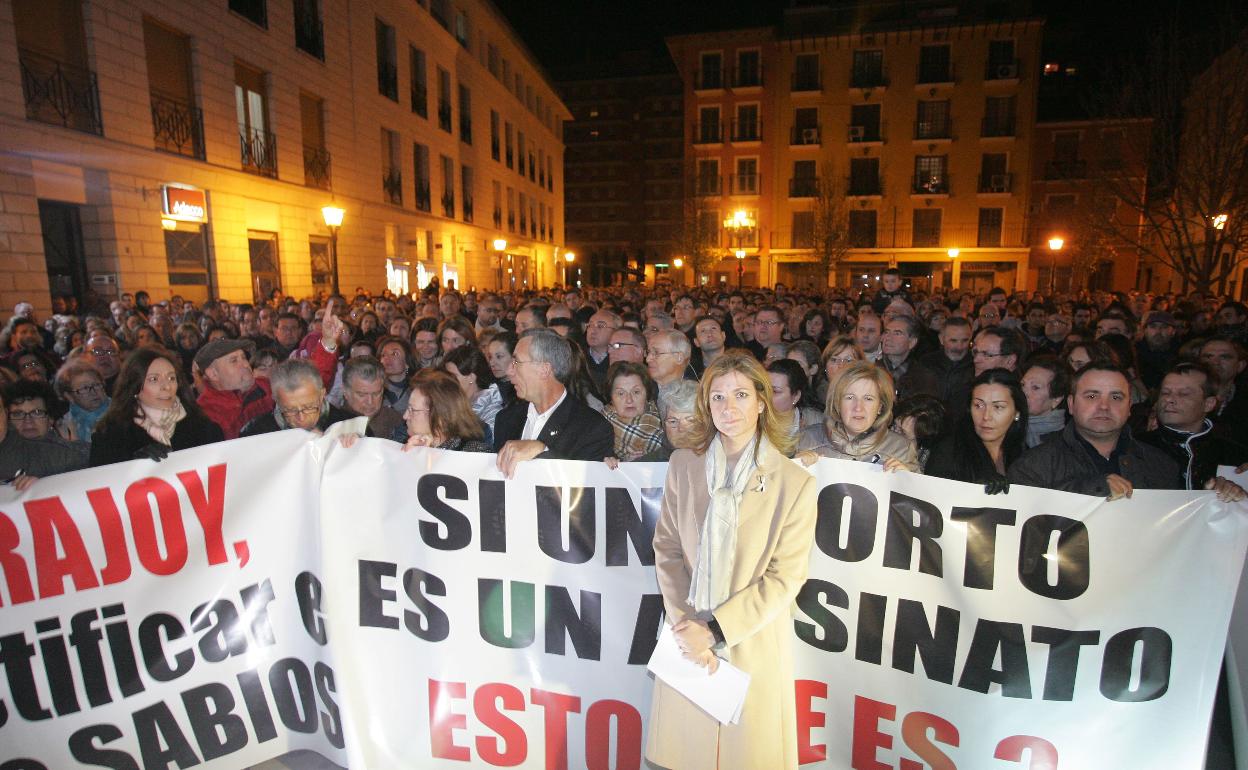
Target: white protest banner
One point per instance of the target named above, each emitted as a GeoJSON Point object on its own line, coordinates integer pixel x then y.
{"type": "Point", "coordinates": [395, 609]}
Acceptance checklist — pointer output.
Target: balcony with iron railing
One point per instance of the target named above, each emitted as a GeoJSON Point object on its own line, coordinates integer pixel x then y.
{"type": "Point", "coordinates": [316, 167]}
{"type": "Point", "coordinates": [259, 152]}
{"type": "Point", "coordinates": [419, 95]}
{"type": "Point", "coordinates": [804, 136]}
{"type": "Point", "coordinates": [392, 185]}
{"type": "Point", "coordinates": [805, 82]}
{"type": "Point", "coordinates": [747, 77]}
{"type": "Point", "coordinates": [864, 185]}
{"type": "Point", "coordinates": [467, 209]}
{"type": "Point", "coordinates": [804, 187]}
{"type": "Point", "coordinates": [448, 205]}
{"type": "Point", "coordinates": [743, 184]}
{"type": "Point", "coordinates": [996, 183]}
{"type": "Point", "coordinates": [865, 133]}
{"type": "Point", "coordinates": [934, 74]}
{"type": "Point", "coordinates": [708, 186]}
{"type": "Point", "coordinates": [444, 115]}
{"type": "Point", "coordinates": [867, 77]}
{"type": "Point", "coordinates": [59, 93]}
{"type": "Point", "coordinates": [708, 133]}
{"type": "Point", "coordinates": [746, 131]}
{"type": "Point", "coordinates": [930, 184]}
{"type": "Point", "coordinates": [1066, 169]}
{"type": "Point", "coordinates": [424, 201]}
{"type": "Point", "coordinates": [709, 79]}
{"type": "Point", "coordinates": [997, 127]}
{"type": "Point", "coordinates": [934, 128]}
{"type": "Point", "coordinates": [177, 126]}
{"type": "Point", "coordinates": [1002, 70]}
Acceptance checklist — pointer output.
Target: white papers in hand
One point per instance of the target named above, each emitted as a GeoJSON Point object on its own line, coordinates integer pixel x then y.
{"type": "Point", "coordinates": [721, 694]}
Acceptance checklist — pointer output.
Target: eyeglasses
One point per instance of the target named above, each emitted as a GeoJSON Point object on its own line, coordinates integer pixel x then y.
{"type": "Point", "coordinates": [301, 411]}
{"type": "Point", "coordinates": [103, 352]}
{"type": "Point", "coordinates": [601, 325]}
{"type": "Point", "coordinates": [33, 414]}
{"type": "Point", "coordinates": [657, 353]}
{"type": "Point", "coordinates": [848, 360]}
{"type": "Point", "coordinates": [767, 323]}
{"type": "Point", "coordinates": [414, 410]}
{"type": "Point", "coordinates": [87, 390]}
{"type": "Point", "coordinates": [31, 365]}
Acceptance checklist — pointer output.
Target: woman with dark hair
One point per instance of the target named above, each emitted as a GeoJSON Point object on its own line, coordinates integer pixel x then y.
{"type": "Point", "coordinates": [1079, 354]}
{"type": "Point", "coordinates": [1046, 382]}
{"type": "Point", "coordinates": [469, 368]}
{"type": "Point", "coordinates": [456, 331]}
{"type": "Point", "coordinates": [188, 340]}
{"type": "Point", "coordinates": [632, 411]}
{"type": "Point", "coordinates": [816, 327]}
{"type": "Point", "coordinates": [152, 412]}
{"type": "Point", "coordinates": [370, 327]}
{"type": "Point", "coordinates": [580, 383]}
{"type": "Point", "coordinates": [438, 415]}
{"type": "Point", "coordinates": [989, 437]}
{"type": "Point", "coordinates": [920, 418]}
{"type": "Point", "coordinates": [789, 385]}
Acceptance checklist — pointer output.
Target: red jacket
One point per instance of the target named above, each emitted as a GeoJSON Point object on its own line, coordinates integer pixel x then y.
{"type": "Point", "coordinates": [232, 409]}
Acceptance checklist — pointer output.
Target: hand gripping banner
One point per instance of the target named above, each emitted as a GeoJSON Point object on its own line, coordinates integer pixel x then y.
{"type": "Point", "coordinates": [284, 597]}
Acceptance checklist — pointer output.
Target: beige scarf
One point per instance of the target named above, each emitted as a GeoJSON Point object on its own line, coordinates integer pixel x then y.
{"type": "Point", "coordinates": [717, 547]}
{"type": "Point", "coordinates": [160, 423]}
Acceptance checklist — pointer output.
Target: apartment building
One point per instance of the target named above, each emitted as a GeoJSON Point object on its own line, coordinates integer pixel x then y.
{"type": "Point", "coordinates": [914, 130]}
{"type": "Point", "coordinates": [189, 148]}
{"type": "Point", "coordinates": [624, 166]}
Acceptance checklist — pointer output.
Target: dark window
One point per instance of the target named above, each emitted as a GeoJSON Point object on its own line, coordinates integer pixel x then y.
{"type": "Point", "coordinates": [934, 64]}
{"type": "Point", "coordinates": [177, 124]}
{"type": "Point", "coordinates": [419, 81]}
{"type": "Point", "coordinates": [867, 70]}
{"type": "Point", "coordinates": [710, 73]}
{"type": "Point", "coordinates": [391, 173]}
{"type": "Point", "coordinates": [864, 176]}
{"type": "Point", "coordinates": [309, 31]}
{"type": "Point", "coordinates": [990, 227]}
{"type": "Point", "coordinates": [465, 114]}
{"type": "Point", "coordinates": [266, 274]}
{"type": "Point", "coordinates": [864, 123]}
{"type": "Point", "coordinates": [926, 231]}
{"type": "Point", "coordinates": [862, 228]}
{"type": "Point", "coordinates": [316, 165]}
{"type": "Point", "coordinates": [322, 268]}
{"type": "Point", "coordinates": [749, 70]}
{"type": "Point", "coordinates": [803, 229]}
{"type": "Point", "coordinates": [444, 100]}
{"type": "Point", "coordinates": [806, 72]}
{"type": "Point", "coordinates": [495, 151]}
{"type": "Point", "coordinates": [465, 182]}
{"type": "Point", "coordinates": [420, 161]}
{"type": "Point", "coordinates": [258, 145]}
{"type": "Point", "coordinates": [387, 66]}
{"type": "Point", "coordinates": [931, 174]}
{"type": "Point", "coordinates": [933, 120]}
{"type": "Point", "coordinates": [255, 11]}
{"type": "Point", "coordinates": [993, 174]}
{"type": "Point", "coordinates": [1001, 62]}
{"type": "Point", "coordinates": [998, 116]}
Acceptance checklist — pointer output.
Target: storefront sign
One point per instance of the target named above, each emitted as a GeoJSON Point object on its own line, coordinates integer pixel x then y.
{"type": "Point", "coordinates": [187, 204]}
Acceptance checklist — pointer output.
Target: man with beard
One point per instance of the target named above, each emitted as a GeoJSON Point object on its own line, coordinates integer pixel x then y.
{"type": "Point", "coordinates": [1157, 351]}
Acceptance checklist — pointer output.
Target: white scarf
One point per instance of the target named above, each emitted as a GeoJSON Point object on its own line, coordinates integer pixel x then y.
{"type": "Point", "coordinates": [717, 547]}
{"type": "Point", "coordinates": [160, 423]}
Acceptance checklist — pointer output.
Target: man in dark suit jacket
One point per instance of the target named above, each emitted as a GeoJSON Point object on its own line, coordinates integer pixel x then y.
{"type": "Point", "coordinates": [547, 421]}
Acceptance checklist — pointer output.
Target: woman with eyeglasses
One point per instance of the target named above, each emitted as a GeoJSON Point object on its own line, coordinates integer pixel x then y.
{"type": "Point", "coordinates": [439, 416]}
{"type": "Point", "coordinates": [81, 385]}
{"type": "Point", "coordinates": [152, 412]}
{"type": "Point", "coordinates": [839, 353]}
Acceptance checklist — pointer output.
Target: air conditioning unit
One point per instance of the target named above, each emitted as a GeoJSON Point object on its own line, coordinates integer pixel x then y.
{"type": "Point", "coordinates": [1007, 71]}
{"type": "Point", "coordinates": [810, 136]}
{"type": "Point", "coordinates": [999, 183]}
{"type": "Point", "coordinates": [857, 133]}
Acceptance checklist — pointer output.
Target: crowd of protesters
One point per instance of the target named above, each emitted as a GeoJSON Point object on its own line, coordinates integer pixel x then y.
{"type": "Point", "coordinates": [1096, 393]}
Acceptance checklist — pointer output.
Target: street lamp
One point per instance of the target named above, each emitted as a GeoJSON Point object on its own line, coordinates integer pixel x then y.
{"type": "Point", "coordinates": [568, 257]}
{"type": "Point", "coordinates": [500, 246]}
{"type": "Point", "coordinates": [333, 220]}
{"type": "Point", "coordinates": [739, 225]}
{"type": "Point", "coordinates": [954, 252]}
{"type": "Point", "coordinates": [1219, 221]}
{"type": "Point", "coordinates": [1055, 245]}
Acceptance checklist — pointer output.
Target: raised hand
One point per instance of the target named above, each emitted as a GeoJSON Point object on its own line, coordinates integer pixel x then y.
{"type": "Point", "coordinates": [331, 328]}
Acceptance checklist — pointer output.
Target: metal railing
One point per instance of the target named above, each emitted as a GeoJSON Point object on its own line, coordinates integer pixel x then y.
{"type": "Point", "coordinates": [930, 184]}
{"type": "Point", "coordinates": [709, 185]}
{"type": "Point", "coordinates": [747, 77]}
{"type": "Point", "coordinates": [997, 127]}
{"type": "Point", "coordinates": [934, 73]}
{"type": "Point", "coordinates": [259, 152]}
{"type": "Point", "coordinates": [392, 185]}
{"type": "Point", "coordinates": [996, 183]}
{"type": "Point", "coordinates": [60, 94]}
{"type": "Point", "coordinates": [864, 185]}
{"type": "Point", "coordinates": [448, 205]}
{"type": "Point", "coordinates": [467, 209]}
{"type": "Point", "coordinates": [865, 133]}
{"type": "Point", "coordinates": [744, 184]}
{"type": "Point", "coordinates": [709, 79]}
{"type": "Point", "coordinates": [938, 128]}
{"type": "Point", "coordinates": [805, 81]}
{"type": "Point", "coordinates": [708, 133]}
{"type": "Point", "coordinates": [178, 126]}
{"type": "Point", "coordinates": [746, 131]}
{"type": "Point", "coordinates": [804, 135]}
{"type": "Point", "coordinates": [316, 167]}
{"type": "Point", "coordinates": [867, 78]}
{"type": "Point", "coordinates": [804, 187]}
{"type": "Point", "coordinates": [424, 200]}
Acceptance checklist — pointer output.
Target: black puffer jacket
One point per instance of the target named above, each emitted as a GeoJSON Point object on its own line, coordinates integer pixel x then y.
{"type": "Point", "coordinates": [1198, 454]}
{"type": "Point", "coordinates": [1063, 462]}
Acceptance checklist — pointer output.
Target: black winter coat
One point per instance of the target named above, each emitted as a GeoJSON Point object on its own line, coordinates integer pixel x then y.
{"type": "Point", "coordinates": [112, 444]}
{"type": "Point", "coordinates": [1062, 462]}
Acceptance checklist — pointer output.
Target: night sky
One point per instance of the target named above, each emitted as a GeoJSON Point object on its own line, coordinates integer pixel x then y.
{"type": "Point", "coordinates": [566, 32]}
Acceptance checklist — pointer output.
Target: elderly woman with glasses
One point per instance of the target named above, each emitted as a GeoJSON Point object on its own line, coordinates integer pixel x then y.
{"type": "Point", "coordinates": [839, 353]}
{"type": "Point", "coordinates": [82, 386]}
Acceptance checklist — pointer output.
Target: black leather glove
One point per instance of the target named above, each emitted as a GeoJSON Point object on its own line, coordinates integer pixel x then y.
{"type": "Point", "coordinates": [155, 451]}
{"type": "Point", "coordinates": [997, 487]}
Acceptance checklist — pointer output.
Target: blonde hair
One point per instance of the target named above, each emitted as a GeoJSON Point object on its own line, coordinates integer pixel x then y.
{"type": "Point", "coordinates": [769, 424]}
{"type": "Point", "coordinates": [856, 372]}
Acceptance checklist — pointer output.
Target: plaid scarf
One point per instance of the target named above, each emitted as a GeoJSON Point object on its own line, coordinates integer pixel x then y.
{"type": "Point", "coordinates": [636, 437]}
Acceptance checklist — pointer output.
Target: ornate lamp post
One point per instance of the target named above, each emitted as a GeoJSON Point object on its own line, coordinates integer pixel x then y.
{"type": "Point", "coordinates": [333, 220]}
{"type": "Point", "coordinates": [740, 225]}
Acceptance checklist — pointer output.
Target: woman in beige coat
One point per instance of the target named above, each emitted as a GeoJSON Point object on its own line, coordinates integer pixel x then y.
{"type": "Point", "coordinates": [856, 423]}
{"type": "Point", "coordinates": [731, 550]}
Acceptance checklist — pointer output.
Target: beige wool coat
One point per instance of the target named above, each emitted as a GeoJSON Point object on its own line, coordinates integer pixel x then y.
{"type": "Point", "coordinates": [775, 532]}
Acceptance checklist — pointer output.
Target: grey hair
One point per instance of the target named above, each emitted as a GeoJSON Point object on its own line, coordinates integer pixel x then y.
{"type": "Point", "coordinates": [662, 320]}
{"type": "Point", "coordinates": [911, 323]}
{"type": "Point", "coordinates": [679, 341]}
{"type": "Point", "coordinates": [682, 397]}
{"type": "Point", "coordinates": [550, 348]}
{"type": "Point", "coordinates": [364, 368]}
{"type": "Point", "coordinates": [294, 373]}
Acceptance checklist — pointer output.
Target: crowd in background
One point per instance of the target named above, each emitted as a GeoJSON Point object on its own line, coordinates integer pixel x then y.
{"type": "Point", "coordinates": [1140, 388]}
